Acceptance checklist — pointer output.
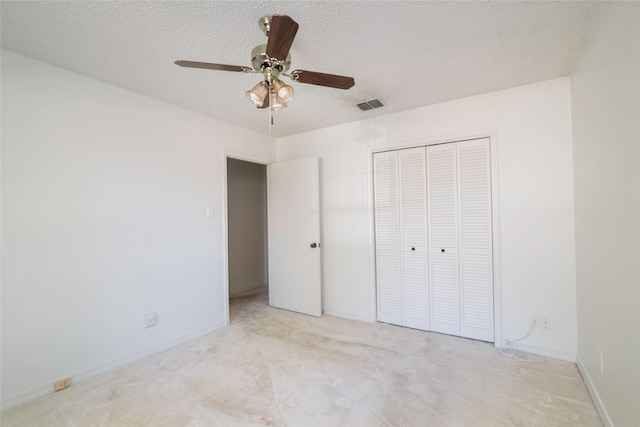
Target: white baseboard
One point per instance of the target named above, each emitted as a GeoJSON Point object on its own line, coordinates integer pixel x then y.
{"type": "Point", "coordinates": [103, 368]}
{"type": "Point", "coordinates": [604, 415]}
{"type": "Point", "coordinates": [348, 316]}
{"type": "Point", "coordinates": [238, 290]}
{"type": "Point", "coordinates": [553, 353]}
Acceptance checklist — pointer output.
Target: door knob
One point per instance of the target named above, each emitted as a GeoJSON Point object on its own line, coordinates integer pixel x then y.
{"type": "Point", "coordinates": [441, 250]}
{"type": "Point", "coordinates": [413, 249]}
{"type": "Point", "coordinates": [314, 245]}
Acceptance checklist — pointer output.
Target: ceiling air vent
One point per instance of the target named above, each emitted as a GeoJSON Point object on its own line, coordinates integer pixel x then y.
{"type": "Point", "coordinates": [370, 105]}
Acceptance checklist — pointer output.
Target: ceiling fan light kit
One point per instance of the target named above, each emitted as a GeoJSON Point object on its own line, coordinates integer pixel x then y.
{"type": "Point", "coordinates": [276, 103]}
{"type": "Point", "coordinates": [283, 91]}
{"type": "Point", "coordinates": [258, 94]}
{"type": "Point", "coordinates": [273, 60]}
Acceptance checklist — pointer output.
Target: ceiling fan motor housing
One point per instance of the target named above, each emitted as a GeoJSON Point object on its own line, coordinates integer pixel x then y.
{"type": "Point", "coordinates": [265, 24]}
{"type": "Point", "coordinates": [260, 60]}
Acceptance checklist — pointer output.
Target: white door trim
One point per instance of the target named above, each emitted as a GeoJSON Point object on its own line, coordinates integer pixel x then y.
{"type": "Point", "coordinates": [225, 220]}
{"type": "Point", "coordinates": [492, 134]}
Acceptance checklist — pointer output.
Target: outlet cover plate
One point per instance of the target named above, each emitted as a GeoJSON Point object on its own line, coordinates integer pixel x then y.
{"type": "Point", "coordinates": [62, 384]}
{"type": "Point", "coordinates": [542, 322]}
{"type": "Point", "coordinates": [150, 319]}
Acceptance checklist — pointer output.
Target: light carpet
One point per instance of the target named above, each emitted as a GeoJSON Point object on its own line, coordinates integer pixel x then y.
{"type": "Point", "coordinates": [275, 367]}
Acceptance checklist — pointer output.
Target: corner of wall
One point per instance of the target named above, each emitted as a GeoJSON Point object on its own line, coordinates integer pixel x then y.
{"type": "Point", "coordinates": [594, 393]}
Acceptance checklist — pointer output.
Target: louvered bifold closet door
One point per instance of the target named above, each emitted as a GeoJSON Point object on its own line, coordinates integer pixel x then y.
{"type": "Point", "coordinates": [475, 242]}
{"type": "Point", "coordinates": [387, 228]}
{"type": "Point", "coordinates": [442, 204]}
{"type": "Point", "coordinates": [413, 215]}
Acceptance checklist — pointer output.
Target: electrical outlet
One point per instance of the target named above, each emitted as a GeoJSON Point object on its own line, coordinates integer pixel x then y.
{"type": "Point", "coordinates": [62, 384]}
{"type": "Point", "coordinates": [546, 322]}
{"type": "Point", "coordinates": [150, 319]}
{"type": "Point", "coordinates": [542, 322]}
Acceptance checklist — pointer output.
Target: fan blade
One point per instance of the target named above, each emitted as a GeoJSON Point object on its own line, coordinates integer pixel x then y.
{"type": "Point", "coordinates": [283, 31]}
{"type": "Point", "coordinates": [323, 79]}
{"type": "Point", "coordinates": [211, 66]}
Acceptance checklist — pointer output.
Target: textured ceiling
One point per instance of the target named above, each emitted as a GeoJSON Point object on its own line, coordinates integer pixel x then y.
{"type": "Point", "coordinates": [407, 54]}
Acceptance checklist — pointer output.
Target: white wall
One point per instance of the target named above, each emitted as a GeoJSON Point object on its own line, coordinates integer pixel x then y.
{"type": "Point", "coordinates": [247, 213]}
{"type": "Point", "coordinates": [606, 151]}
{"type": "Point", "coordinates": [533, 128]}
{"type": "Point", "coordinates": [103, 219]}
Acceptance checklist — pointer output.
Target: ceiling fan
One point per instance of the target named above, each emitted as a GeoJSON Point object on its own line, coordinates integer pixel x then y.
{"type": "Point", "coordinates": [273, 60]}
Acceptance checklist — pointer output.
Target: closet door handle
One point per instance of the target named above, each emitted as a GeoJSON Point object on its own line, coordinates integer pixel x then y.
{"type": "Point", "coordinates": [413, 249]}
{"type": "Point", "coordinates": [441, 250]}
{"type": "Point", "coordinates": [314, 245]}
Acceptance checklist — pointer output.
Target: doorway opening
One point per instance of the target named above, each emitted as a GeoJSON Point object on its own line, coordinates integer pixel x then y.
{"type": "Point", "coordinates": [247, 232]}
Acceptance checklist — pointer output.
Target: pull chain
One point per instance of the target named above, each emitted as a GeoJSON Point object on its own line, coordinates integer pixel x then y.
{"type": "Point", "coordinates": [270, 112]}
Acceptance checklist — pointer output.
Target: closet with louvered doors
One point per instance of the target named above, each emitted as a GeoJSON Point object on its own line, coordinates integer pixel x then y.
{"type": "Point", "coordinates": [433, 238]}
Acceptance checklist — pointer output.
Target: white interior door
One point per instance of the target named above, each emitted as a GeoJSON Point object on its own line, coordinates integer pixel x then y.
{"type": "Point", "coordinates": [475, 241]}
{"type": "Point", "coordinates": [400, 215]}
{"type": "Point", "coordinates": [387, 228]}
{"type": "Point", "coordinates": [442, 202]}
{"type": "Point", "coordinates": [293, 215]}
{"type": "Point", "coordinates": [413, 217]}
